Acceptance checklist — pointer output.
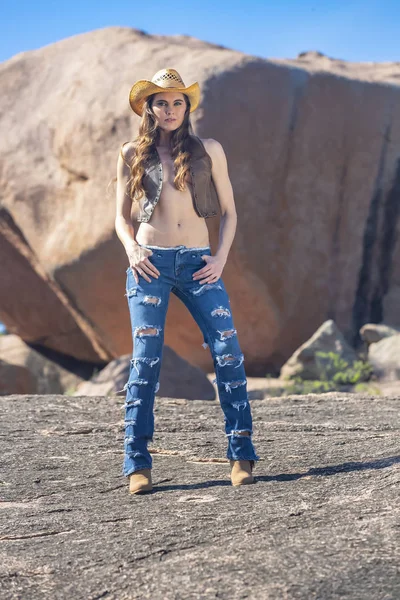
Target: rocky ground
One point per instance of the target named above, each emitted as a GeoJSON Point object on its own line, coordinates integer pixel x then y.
{"type": "Point", "coordinates": [321, 521]}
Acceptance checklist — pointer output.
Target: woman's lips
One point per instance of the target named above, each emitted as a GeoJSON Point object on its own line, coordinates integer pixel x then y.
{"type": "Point", "coordinates": [170, 120]}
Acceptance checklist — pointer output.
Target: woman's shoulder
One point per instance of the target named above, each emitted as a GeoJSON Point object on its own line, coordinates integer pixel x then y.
{"type": "Point", "coordinates": [211, 143]}
{"type": "Point", "coordinates": [128, 150]}
{"type": "Point", "coordinates": [213, 147]}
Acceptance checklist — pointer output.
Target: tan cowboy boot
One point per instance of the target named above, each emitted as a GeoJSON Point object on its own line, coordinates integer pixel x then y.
{"type": "Point", "coordinates": [140, 481]}
{"type": "Point", "coordinates": [241, 472]}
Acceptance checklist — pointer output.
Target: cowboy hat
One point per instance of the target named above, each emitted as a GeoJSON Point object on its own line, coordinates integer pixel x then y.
{"type": "Point", "coordinates": [165, 80]}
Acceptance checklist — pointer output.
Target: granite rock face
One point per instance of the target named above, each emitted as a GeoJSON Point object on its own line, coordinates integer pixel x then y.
{"type": "Point", "coordinates": [372, 333]}
{"type": "Point", "coordinates": [304, 362]}
{"type": "Point", "coordinates": [312, 148]}
{"type": "Point", "coordinates": [15, 379]}
{"type": "Point", "coordinates": [321, 521]}
{"type": "Point", "coordinates": [384, 357]}
{"type": "Point", "coordinates": [42, 375]}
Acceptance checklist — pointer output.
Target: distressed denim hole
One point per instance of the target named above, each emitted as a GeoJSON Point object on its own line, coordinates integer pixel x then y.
{"type": "Point", "coordinates": [146, 330]}
{"type": "Point", "coordinates": [227, 359]}
{"type": "Point", "coordinates": [131, 292]}
{"type": "Point", "coordinates": [129, 384]}
{"type": "Point", "coordinates": [221, 311]}
{"type": "Point", "coordinates": [231, 385]}
{"type": "Point", "coordinates": [227, 333]}
{"type": "Point", "coordinates": [240, 405]}
{"type": "Point", "coordinates": [132, 402]}
{"type": "Point", "coordinates": [146, 359]}
{"type": "Point", "coordinates": [205, 288]}
{"type": "Point", "coordinates": [151, 300]}
{"type": "Point", "coordinates": [236, 433]}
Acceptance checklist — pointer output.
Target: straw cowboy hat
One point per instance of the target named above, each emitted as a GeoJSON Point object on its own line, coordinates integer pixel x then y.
{"type": "Point", "coordinates": [166, 80]}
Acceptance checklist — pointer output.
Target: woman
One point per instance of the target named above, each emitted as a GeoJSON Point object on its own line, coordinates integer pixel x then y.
{"type": "Point", "coordinates": [168, 182]}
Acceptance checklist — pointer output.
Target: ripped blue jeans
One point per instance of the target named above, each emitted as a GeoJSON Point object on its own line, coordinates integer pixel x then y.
{"type": "Point", "coordinates": [209, 305]}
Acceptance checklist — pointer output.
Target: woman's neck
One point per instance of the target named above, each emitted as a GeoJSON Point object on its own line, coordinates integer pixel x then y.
{"type": "Point", "coordinates": [164, 138]}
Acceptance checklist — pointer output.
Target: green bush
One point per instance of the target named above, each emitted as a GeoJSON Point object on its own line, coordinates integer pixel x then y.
{"type": "Point", "coordinates": [367, 388]}
{"type": "Point", "coordinates": [335, 373]}
{"type": "Point", "coordinates": [334, 368]}
{"type": "Point", "coordinates": [309, 386]}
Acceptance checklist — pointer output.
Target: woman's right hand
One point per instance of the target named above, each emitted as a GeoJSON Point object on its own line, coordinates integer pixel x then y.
{"type": "Point", "coordinates": [140, 263]}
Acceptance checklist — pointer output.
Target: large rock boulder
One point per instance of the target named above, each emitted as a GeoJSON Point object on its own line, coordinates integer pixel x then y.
{"type": "Point", "coordinates": [372, 333]}
{"type": "Point", "coordinates": [315, 170]}
{"type": "Point", "coordinates": [178, 379]}
{"type": "Point", "coordinates": [384, 357]}
{"type": "Point", "coordinates": [304, 362]}
{"type": "Point", "coordinates": [16, 379]}
{"type": "Point", "coordinates": [26, 371]}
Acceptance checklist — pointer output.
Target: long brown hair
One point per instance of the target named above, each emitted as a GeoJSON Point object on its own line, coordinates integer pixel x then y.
{"type": "Point", "coordinates": [147, 140]}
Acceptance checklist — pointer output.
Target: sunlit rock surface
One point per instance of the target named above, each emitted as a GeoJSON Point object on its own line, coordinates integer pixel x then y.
{"type": "Point", "coordinates": [321, 521]}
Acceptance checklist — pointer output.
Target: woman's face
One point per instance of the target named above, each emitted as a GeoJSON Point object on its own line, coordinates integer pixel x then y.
{"type": "Point", "coordinates": [169, 109]}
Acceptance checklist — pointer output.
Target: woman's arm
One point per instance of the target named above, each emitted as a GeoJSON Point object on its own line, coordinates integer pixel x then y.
{"type": "Point", "coordinates": [215, 264]}
{"type": "Point", "coordinates": [224, 189]}
{"type": "Point", "coordinates": [137, 255]}
{"type": "Point", "coordinates": [123, 223]}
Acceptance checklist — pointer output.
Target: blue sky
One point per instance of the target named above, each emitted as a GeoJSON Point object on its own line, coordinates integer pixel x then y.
{"type": "Point", "coordinates": [354, 30]}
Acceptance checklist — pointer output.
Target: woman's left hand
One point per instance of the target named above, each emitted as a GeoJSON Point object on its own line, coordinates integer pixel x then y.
{"type": "Point", "coordinates": [212, 271]}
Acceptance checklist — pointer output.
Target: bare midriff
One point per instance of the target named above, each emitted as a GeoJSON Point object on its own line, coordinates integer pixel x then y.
{"type": "Point", "coordinates": [174, 220]}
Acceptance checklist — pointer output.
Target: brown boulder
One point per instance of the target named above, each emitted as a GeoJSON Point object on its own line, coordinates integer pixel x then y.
{"type": "Point", "coordinates": [372, 333]}
{"type": "Point", "coordinates": [304, 362]}
{"type": "Point", "coordinates": [45, 376]}
{"type": "Point", "coordinates": [312, 152]}
{"type": "Point", "coordinates": [16, 379]}
{"type": "Point", "coordinates": [384, 357]}
{"type": "Point", "coordinates": [178, 379]}
{"type": "Point", "coordinates": [35, 306]}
